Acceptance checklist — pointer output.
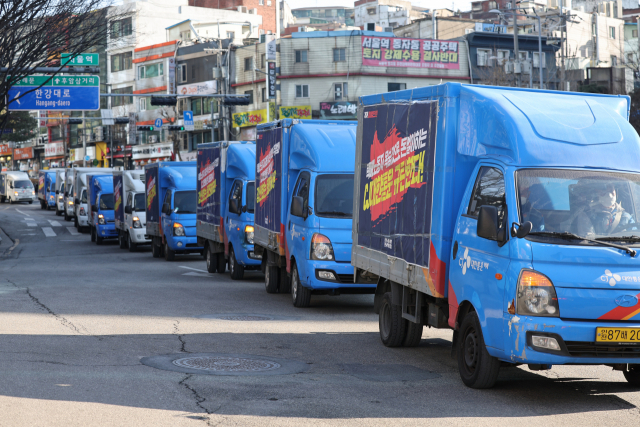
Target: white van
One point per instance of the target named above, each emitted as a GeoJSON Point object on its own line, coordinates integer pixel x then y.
{"type": "Point", "coordinates": [16, 187]}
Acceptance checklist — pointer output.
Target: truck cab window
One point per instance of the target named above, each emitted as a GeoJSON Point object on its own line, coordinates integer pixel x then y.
{"type": "Point", "coordinates": [236, 192]}
{"type": "Point", "coordinates": [139, 203]}
{"type": "Point", "coordinates": [106, 202]}
{"type": "Point", "coordinates": [167, 198]}
{"type": "Point", "coordinates": [251, 196]}
{"type": "Point", "coordinates": [302, 188]}
{"type": "Point", "coordinates": [185, 202]}
{"type": "Point", "coordinates": [83, 198]}
{"type": "Point", "coordinates": [129, 200]}
{"type": "Point", "coordinates": [488, 191]}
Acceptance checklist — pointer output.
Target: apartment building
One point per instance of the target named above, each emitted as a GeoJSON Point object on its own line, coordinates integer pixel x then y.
{"type": "Point", "coordinates": [267, 9]}
{"type": "Point", "coordinates": [385, 14]}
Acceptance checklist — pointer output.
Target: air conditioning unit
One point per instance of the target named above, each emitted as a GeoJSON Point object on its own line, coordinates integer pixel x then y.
{"type": "Point", "coordinates": [388, 29]}
{"type": "Point", "coordinates": [152, 139]}
{"type": "Point", "coordinates": [517, 68]}
{"type": "Point", "coordinates": [526, 67]}
{"type": "Point", "coordinates": [508, 67]}
{"type": "Point", "coordinates": [242, 9]}
{"type": "Point", "coordinates": [254, 11]}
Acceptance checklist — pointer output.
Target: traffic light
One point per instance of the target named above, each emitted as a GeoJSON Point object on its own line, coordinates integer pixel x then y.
{"type": "Point", "coordinates": [121, 120]}
{"type": "Point", "coordinates": [75, 121]}
{"type": "Point", "coordinates": [164, 100]}
{"type": "Point", "coordinates": [236, 100]}
{"type": "Point", "coordinates": [178, 128]}
{"type": "Point", "coordinates": [145, 128]}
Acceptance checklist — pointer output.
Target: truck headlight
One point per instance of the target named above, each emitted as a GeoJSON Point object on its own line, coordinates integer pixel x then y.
{"type": "Point", "coordinates": [15, 193]}
{"type": "Point", "coordinates": [248, 233]}
{"type": "Point", "coordinates": [82, 211]}
{"type": "Point", "coordinates": [33, 193]}
{"type": "Point", "coordinates": [136, 222]}
{"type": "Point", "coordinates": [60, 197]}
{"type": "Point", "coordinates": [101, 220]}
{"type": "Point", "coordinates": [321, 248]}
{"type": "Point", "coordinates": [536, 295]}
{"type": "Point", "coordinates": [178, 229]}
{"type": "Point", "coordinates": [70, 202]}
{"type": "Point", "coordinates": [51, 196]}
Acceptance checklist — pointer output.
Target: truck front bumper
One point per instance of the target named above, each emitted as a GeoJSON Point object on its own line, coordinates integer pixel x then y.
{"type": "Point", "coordinates": [51, 202]}
{"type": "Point", "coordinates": [107, 231]}
{"type": "Point", "coordinates": [138, 235]}
{"type": "Point", "coordinates": [83, 220]}
{"type": "Point", "coordinates": [184, 244]}
{"type": "Point", "coordinates": [70, 211]}
{"type": "Point", "coordinates": [246, 256]}
{"type": "Point", "coordinates": [577, 340]}
{"type": "Point", "coordinates": [342, 273]}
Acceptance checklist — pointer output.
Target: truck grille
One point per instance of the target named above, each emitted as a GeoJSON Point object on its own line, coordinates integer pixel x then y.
{"type": "Point", "coordinates": [192, 245]}
{"type": "Point", "coordinates": [345, 278]}
{"type": "Point", "coordinates": [590, 349]}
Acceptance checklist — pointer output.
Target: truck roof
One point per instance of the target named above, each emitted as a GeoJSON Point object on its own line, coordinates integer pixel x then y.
{"type": "Point", "coordinates": [326, 145]}
{"type": "Point", "coordinates": [241, 161]}
{"type": "Point", "coordinates": [104, 183]}
{"type": "Point", "coordinates": [16, 174]}
{"type": "Point", "coordinates": [132, 180]}
{"type": "Point", "coordinates": [537, 128]}
{"type": "Point", "coordinates": [180, 175]}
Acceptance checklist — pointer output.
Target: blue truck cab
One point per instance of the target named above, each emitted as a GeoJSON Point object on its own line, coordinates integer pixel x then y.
{"type": "Point", "coordinates": [226, 203]}
{"type": "Point", "coordinates": [100, 205]}
{"type": "Point", "coordinates": [304, 204]}
{"type": "Point", "coordinates": [518, 225]}
{"type": "Point", "coordinates": [47, 188]}
{"type": "Point", "coordinates": [170, 189]}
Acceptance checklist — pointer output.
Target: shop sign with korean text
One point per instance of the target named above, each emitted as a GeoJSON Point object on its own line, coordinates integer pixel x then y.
{"type": "Point", "coordinates": [5, 149]}
{"type": "Point", "coordinates": [338, 110]}
{"type": "Point", "coordinates": [250, 118]}
{"type": "Point", "coordinates": [54, 149]}
{"type": "Point", "coordinates": [410, 53]}
{"type": "Point", "coordinates": [204, 88]}
{"type": "Point", "coordinates": [299, 112]}
{"type": "Point", "coordinates": [23, 153]}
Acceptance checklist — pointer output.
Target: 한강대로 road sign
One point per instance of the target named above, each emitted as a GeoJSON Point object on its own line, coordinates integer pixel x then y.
{"type": "Point", "coordinates": [86, 59]}
{"type": "Point", "coordinates": [67, 93]}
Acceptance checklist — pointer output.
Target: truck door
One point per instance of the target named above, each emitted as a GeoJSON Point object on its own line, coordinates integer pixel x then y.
{"type": "Point", "coordinates": [479, 265]}
{"type": "Point", "coordinates": [127, 217]}
{"type": "Point", "coordinates": [166, 222]}
{"type": "Point", "coordinates": [297, 237]}
{"type": "Point", "coordinates": [232, 219]}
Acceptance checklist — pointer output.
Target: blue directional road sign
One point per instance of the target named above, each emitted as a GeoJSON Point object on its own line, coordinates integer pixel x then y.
{"type": "Point", "coordinates": [158, 123]}
{"type": "Point", "coordinates": [188, 120]}
{"type": "Point", "coordinates": [73, 93]}
{"type": "Point", "coordinates": [87, 158]}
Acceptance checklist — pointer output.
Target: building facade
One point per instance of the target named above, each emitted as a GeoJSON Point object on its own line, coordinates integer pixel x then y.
{"type": "Point", "coordinates": [268, 9]}
{"type": "Point", "coordinates": [384, 14]}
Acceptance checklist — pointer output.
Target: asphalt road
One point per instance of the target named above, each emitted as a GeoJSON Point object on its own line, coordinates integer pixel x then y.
{"type": "Point", "coordinates": [78, 320]}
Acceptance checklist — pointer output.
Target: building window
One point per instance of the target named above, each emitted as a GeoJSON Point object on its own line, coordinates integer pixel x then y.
{"type": "Point", "coordinates": [536, 60]}
{"type": "Point", "coordinates": [250, 93]}
{"type": "Point", "coordinates": [493, 5]}
{"type": "Point", "coordinates": [629, 57]}
{"type": "Point", "coordinates": [206, 105]}
{"type": "Point", "coordinates": [182, 73]}
{"type": "Point", "coordinates": [262, 59]}
{"type": "Point", "coordinates": [248, 64]}
{"type": "Point", "coordinates": [143, 104]}
{"type": "Point", "coordinates": [121, 61]}
{"type": "Point", "coordinates": [371, 11]}
{"type": "Point", "coordinates": [149, 71]}
{"type": "Point", "coordinates": [483, 57]}
{"type": "Point", "coordinates": [196, 106]}
{"type": "Point", "coordinates": [121, 28]}
{"type": "Point", "coordinates": [614, 61]}
{"type": "Point", "coordinates": [261, 2]}
{"type": "Point", "coordinates": [117, 101]}
{"type": "Point", "coordinates": [231, 35]}
{"type": "Point", "coordinates": [302, 91]}
{"type": "Point", "coordinates": [634, 34]}
{"type": "Point", "coordinates": [523, 56]}
{"type": "Point", "coordinates": [264, 95]}
{"type": "Point", "coordinates": [612, 30]}
{"type": "Point", "coordinates": [609, 10]}
{"type": "Point", "coordinates": [301, 56]}
{"type": "Point", "coordinates": [503, 55]}
{"type": "Point", "coordinates": [341, 91]}
{"type": "Point", "coordinates": [339, 54]}
{"type": "Point", "coordinates": [185, 142]}
{"type": "Point", "coordinates": [392, 87]}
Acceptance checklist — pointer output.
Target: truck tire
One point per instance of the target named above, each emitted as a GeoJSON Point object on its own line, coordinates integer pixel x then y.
{"type": "Point", "coordinates": [392, 325]}
{"type": "Point", "coordinates": [221, 263]}
{"type": "Point", "coordinates": [155, 249]}
{"type": "Point", "coordinates": [236, 271]}
{"type": "Point", "coordinates": [285, 282]}
{"type": "Point", "coordinates": [632, 374]}
{"type": "Point", "coordinates": [169, 255]}
{"type": "Point", "coordinates": [99, 239]}
{"type": "Point", "coordinates": [66, 217]}
{"type": "Point", "coordinates": [41, 205]}
{"type": "Point", "coordinates": [75, 223]}
{"type": "Point", "coordinates": [132, 246]}
{"type": "Point", "coordinates": [93, 234]}
{"type": "Point", "coordinates": [413, 335]}
{"type": "Point", "coordinates": [58, 213]}
{"type": "Point", "coordinates": [31, 202]}
{"type": "Point", "coordinates": [2, 199]}
{"type": "Point", "coordinates": [271, 279]}
{"type": "Point", "coordinates": [122, 242]}
{"type": "Point", "coordinates": [478, 369]}
{"type": "Point", "coordinates": [212, 260]}
{"type": "Point", "coordinates": [301, 296]}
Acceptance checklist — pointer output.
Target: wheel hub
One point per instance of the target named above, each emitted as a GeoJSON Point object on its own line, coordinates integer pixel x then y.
{"type": "Point", "coordinates": [471, 350]}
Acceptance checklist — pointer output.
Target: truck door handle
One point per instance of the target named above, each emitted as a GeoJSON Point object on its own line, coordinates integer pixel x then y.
{"type": "Point", "coordinates": [289, 225]}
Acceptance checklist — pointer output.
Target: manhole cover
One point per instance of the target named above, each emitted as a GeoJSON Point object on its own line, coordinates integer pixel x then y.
{"type": "Point", "coordinates": [226, 364]}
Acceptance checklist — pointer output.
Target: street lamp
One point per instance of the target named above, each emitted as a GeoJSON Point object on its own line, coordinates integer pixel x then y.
{"type": "Point", "coordinates": [515, 34]}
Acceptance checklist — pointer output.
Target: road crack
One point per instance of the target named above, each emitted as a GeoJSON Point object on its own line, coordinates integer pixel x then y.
{"type": "Point", "coordinates": [176, 331]}
{"type": "Point", "coordinates": [199, 399]}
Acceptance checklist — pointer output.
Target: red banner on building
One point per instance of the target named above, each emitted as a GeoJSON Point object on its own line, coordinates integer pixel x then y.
{"type": "Point", "coordinates": [23, 153]}
{"type": "Point", "coordinates": [411, 53]}
{"type": "Point", "coordinates": [4, 149]}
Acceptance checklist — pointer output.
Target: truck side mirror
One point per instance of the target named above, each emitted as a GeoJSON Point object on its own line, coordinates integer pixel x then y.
{"type": "Point", "coordinates": [166, 209]}
{"type": "Point", "coordinates": [57, 191]}
{"type": "Point", "coordinates": [94, 208]}
{"type": "Point", "coordinates": [522, 231]}
{"type": "Point", "coordinates": [488, 222]}
{"type": "Point", "coordinates": [76, 201]}
{"type": "Point", "coordinates": [297, 205]}
{"type": "Point", "coordinates": [66, 194]}
{"type": "Point", "coordinates": [127, 210]}
{"type": "Point", "coordinates": [233, 206]}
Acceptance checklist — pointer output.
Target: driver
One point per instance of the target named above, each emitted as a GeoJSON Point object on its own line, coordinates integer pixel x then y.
{"type": "Point", "coordinates": [604, 215]}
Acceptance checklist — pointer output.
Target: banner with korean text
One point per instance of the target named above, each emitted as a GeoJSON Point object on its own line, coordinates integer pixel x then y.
{"type": "Point", "coordinates": [411, 53]}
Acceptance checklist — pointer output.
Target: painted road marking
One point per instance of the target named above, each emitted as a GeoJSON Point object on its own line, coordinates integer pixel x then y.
{"type": "Point", "coordinates": [195, 269]}
{"type": "Point", "coordinates": [31, 224]}
{"type": "Point", "coordinates": [25, 214]}
{"type": "Point", "coordinates": [48, 231]}
{"type": "Point", "coordinates": [193, 273]}
{"type": "Point", "coordinates": [55, 223]}
{"type": "Point", "coordinates": [72, 231]}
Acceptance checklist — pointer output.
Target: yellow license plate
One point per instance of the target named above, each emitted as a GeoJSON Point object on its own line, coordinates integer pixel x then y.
{"type": "Point", "coordinates": [618, 335]}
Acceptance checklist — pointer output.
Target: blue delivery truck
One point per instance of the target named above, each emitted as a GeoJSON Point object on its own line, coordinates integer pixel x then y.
{"type": "Point", "coordinates": [170, 189]}
{"type": "Point", "coordinates": [226, 203]}
{"type": "Point", "coordinates": [100, 204]}
{"type": "Point", "coordinates": [47, 188]}
{"type": "Point", "coordinates": [304, 203]}
{"type": "Point", "coordinates": [511, 216]}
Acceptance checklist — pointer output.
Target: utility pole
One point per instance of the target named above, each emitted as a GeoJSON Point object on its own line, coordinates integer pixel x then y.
{"type": "Point", "coordinates": [563, 24]}
{"type": "Point", "coordinates": [84, 143]}
{"type": "Point", "coordinates": [516, 51]}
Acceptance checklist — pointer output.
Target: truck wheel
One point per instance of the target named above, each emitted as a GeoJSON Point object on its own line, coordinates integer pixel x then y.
{"type": "Point", "coordinates": [212, 260]}
{"type": "Point", "coordinates": [58, 213]}
{"type": "Point", "coordinates": [99, 239]}
{"type": "Point", "coordinates": [121, 240]}
{"type": "Point", "coordinates": [169, 255]}
{"type": "Point", "coordinates": [75, 223]}
{"type": "Point", "coordinates": [93, 234]}
{"type": "Point", "coordinates": [221, 264]}
{"type": "Point", "coordinates": [31, 202]}
{"type": "Point", "coordinates": [271, 279]}
{"type": "Point", "coordinates": [301, 295]}
{"type": "Point", "coordinates": [155, 249]}
{"type": "Point", "coordinates": [413, 335]}
{"type": "Point", "coordinates": [390, 322]}
{"type": "Point", "coordinates": [632, 374]}
{"type": "Point", "coordinates": [478, 369]}
{"type": "Point", "coordinates": [235, 270]}
{"type": "Point", "coordinates": [41, 205]}
{"type": "Point", "coordinates": [132, 246]}
{"type": "Point", "coordinates": [285, 282]}
{"type": "Point", "coordinates": [66, 217]}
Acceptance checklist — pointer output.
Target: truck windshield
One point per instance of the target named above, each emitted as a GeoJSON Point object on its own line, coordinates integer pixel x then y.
{"type": "Point", "coordinates": [22, 184]}
{"type": "Point", "coordinates": [334, 196]}
{"type": "Point", "coordinates": [595, 205]}
{"type": "Point", "coordinates": [138, 204]}
{"type": "Point", "coordinates": [251, 196]}
{"type": "Point", "coordinates": [106, 202]}
{"type": "Point", "coordinates": [83, 198]}
{"type": "Point", "coordinates": [184, 202]}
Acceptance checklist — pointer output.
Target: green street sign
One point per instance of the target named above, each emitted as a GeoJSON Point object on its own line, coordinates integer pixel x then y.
{"type": "Point", "coordinates": [34, 81]}
{"type": "Point", "coordinates": [86, 59]}
{"type": "Point", "coordinates": [58, 81]}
